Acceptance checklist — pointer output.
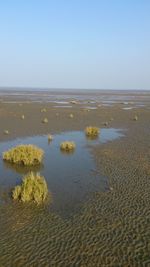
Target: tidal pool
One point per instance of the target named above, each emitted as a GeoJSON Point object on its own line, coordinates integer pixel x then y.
{"type": "Point", "coordinates": [71, 177]}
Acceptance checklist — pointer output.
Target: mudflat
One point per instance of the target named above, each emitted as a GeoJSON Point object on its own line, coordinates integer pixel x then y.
{"type": "Point", "coordinates": [112, 228]}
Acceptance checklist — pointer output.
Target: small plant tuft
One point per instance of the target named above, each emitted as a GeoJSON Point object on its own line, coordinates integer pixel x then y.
{"type": "Point", "coordinates": [33, 188]}
{"type": "Point", "coordinates": [92, 131]}
{"type": "Point", "coordinates": [74, 102]}
{"type": "Point", "coordinates": [67, 146]}
{"type": "Point", "coordinates": [50, 138]}
{"type": "Point", "coordinates": [43, 110]}
{"type": "Point", "coordinates": [106, 123]}
{"type": "Point", "coordinates": [71, 116]}
{"type": "Point", "coordinates": [135, 118]}
{"type": "Point", "coordinates": [27, 155]}
{"type": "Point", "coordinates": [6, 132]}
{"type": "Point", "coordinates": [45, 120]}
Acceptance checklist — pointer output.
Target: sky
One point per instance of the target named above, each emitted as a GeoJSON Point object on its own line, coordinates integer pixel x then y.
{"type": "Point", "coordinates": [91, 44]}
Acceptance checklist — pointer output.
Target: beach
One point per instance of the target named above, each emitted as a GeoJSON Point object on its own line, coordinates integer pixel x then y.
{"type": "Point", "coordinates": [112, 227]}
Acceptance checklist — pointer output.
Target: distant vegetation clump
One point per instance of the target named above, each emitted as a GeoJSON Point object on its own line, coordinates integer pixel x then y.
{"type": "Point", "coordinates": [33, 188]}
{"type": "Point", "coordinates": [92, 131]}
{"type": "Point", "coordinates": [45, 120]}
{"type": "Point", "coordinates": [27, 155]}
{"type": "Point", "coordinates": [50, 138]}
{"type": "Point", "coordinates": [71, 116]}
{"type": "Point", "coordinates": [43, 110]}
{"type": "Point", "coordinates": [105, 123]}
{"type": "Point", "coordinates": [6, 132]}
{"type": "Point", "coordinates": [135, 118]}
{"type": "Point", "coordinates": [67, 146]}
{"type": "Point", "coordinates": [22, 117]}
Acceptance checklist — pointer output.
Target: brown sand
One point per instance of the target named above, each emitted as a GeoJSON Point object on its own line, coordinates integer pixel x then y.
{"type": "Point", "coordinates": [113, 228]}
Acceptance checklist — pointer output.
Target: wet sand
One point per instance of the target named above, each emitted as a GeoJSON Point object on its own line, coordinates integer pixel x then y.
{"type": "Point", "coordinates": [112, 228]}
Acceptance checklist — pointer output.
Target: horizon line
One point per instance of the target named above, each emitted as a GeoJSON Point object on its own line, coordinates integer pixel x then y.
{"type": "Point", "coordinates": [62, 88]}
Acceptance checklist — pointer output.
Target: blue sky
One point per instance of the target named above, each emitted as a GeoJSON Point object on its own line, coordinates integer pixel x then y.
{"type": "Point", "coordinates": [75, 44]}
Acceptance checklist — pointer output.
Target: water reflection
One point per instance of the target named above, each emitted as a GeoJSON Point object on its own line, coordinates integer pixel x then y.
{"type": "Point", "coordinates": [69, 175]}
{"type": "Point", "coordinates": [22, 169]}
{"type": "Point", "coordinates": [91, 138]}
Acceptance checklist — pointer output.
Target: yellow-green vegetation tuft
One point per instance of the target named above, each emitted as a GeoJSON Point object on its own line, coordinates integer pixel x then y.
{"type": "Point", "coordinates": [33, 188]}
{"type": "Point", "coordinates": [92, 131]}
{"type": "Point", "coordinates": [67, 146]}
{"type": "Point", "coordinates": [45, 120]}
{"type": "Point", "coordinates": [135, 118]}
{"type": "Point", "coordinates": [22, 117]}
{"type": "Point", "coordinates": [50, 138]}
{"type": "Point", "coordinates": [71, 116]}
{"type": "Point", "coordinates": [27, 155]}
{"type": "Point", "coordinates": [6, 132]}
{"type": "Point", "coordinates": [73, 102]}
{"type": "Point", "coordinates": [43, 110]}
{"type": "Point", "coordinates": [16, 192]}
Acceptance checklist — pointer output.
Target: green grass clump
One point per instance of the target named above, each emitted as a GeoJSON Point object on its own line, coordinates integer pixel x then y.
{"type": "Point", "coordinates": [67, 146]}
{"type": "Point", "coordinates": [92, 131]}
{"type": "Point", "coordinates": [27, 155]}
{"type": "Point", "coordinates": [33, 188]}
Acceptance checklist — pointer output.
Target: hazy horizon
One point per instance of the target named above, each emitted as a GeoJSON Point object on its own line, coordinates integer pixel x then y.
{"type": "Point", "coordinates": [99, 45]}
{"type": "Point", "coordinates": [17, 88]}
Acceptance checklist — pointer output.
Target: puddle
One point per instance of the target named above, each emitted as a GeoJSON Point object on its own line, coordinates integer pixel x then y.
{"type": "Point", "coordinates": [128, 108]}
{"type": "Point", "coordinates": [72, 177]}
{"type": "Point", "coordinates": [60, 102]}
{"type": "Point", "coordinates": [89, 107]}
{"type": "Point", "coordinates": [62, 106]}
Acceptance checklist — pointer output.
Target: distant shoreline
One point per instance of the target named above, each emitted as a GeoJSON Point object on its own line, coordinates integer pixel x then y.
{"type": "Point", "coordinates": [38, 89]}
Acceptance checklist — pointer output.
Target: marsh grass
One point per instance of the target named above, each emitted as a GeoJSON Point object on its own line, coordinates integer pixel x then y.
{"type": "Point", "coordinates": [6, 132]}
{"type": "Point", "coordinates": [33, 188]}
{"type": "Point", "coordinates": [135, 118]}
{"type": "Point", "coordinates": [27, 155]}
{"type": "Point", "coordinates": [43, 110]}
{"type": "Point", "coordinates": [45, 120]}
{"type": "Point", "coordinates": [105, 123]}
{"type": "Point", "coordinates": [74, 102]}
{"type": "Point", "coordinates": [50, 138]}
{"type": "Point", "coordinates": [67, 146]}
{"type": "Point", "coordinates": [92, 131]}
{"type": "Point", "coordinates": [71, 116]}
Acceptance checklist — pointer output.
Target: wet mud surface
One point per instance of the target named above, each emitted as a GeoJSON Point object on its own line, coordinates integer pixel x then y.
{"type": "Point", "coordinates": [113, 227]}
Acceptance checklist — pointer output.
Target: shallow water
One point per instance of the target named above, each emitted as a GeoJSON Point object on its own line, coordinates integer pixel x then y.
{"type": "Point", "coordinates": [65, 95]}
{"type": "Point", "coordinates": [62, 106]}
{"type": "Point", "coordinates": [128, 108]}
{"type": "Point", "coordinates": [71, 177]}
